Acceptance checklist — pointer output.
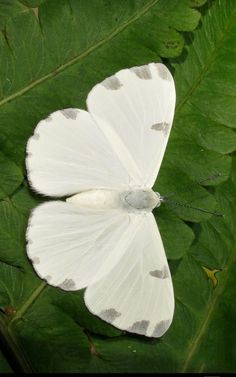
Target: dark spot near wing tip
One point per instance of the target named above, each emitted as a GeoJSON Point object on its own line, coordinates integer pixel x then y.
{"type": "Point", "coordinates": [142, 72]}
{"type": "Point", "coordinates": [112, 83]}
{"type": "Point", "coordinates": [48, 119]}
{"type": "Point", "coordinates": [160, 328]}
{"type": "Point", "coordinates": [139, 327]}
{"type": "Point", "coordinates": [163, 72]}
{"type": "Point", "coordinates": [67, 284]}
{"type": "Point", "coordinates": [163, 126]}
{"type": "Point", "coordinates": [36, 136]}
{"type": "Point", "coordinates": [36, 260]}
{"type": "Point", "coordinates": [70, 113]}
{"type": "Point", "coordinates": [161, 274]}
{"type": "Point", "coordinates": [109, 314]}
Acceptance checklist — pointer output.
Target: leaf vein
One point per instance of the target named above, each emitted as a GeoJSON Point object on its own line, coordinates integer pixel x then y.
{"type": "Point", "coordinates": [76, 59]}
{"type": "Point", "coordinates": [206, 67]}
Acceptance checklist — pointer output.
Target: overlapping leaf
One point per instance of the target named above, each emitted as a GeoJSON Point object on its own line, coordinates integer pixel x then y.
{"type": "Point", "coordinates": [51, 62]}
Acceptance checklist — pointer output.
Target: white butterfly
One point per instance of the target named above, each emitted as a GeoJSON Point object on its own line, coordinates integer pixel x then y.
{"type": "Point", "coordinates": [105, 237]}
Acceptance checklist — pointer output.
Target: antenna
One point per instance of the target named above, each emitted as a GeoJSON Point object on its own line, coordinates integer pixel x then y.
{"type": "Point", "coordinates": [165, 198]}
{"type": "Point", "coordinates": [185, 205]}
{"type": "Point", "coordinates": [210, 178]}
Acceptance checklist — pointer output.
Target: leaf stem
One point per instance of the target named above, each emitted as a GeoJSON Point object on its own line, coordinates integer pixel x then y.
{"type": "Point", "coordinates": [193, 346]}
{"type": "Point", "coordinates": [19, 314]}
{"type": "Point", "coordinates": [12, 350]}
{"type": "Point", "coordinates": [8, 340]}
{"type": "Point", "coordinates": [207, 64]}
{"type": "Point", "coordinates": [77, 58]}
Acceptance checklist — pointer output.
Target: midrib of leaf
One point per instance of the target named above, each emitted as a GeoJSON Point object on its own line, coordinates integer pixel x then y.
{"type": "Point", "coordinates": [76, 59]}
{"type": "Point", "coordinates": [8, 335]}
{"type": "Point", "coordinates": [208, 63]}
{"type": "Point", "coordinates": [194, 344]}
{"type": "Point", "coordinates": [34, 295]}
{"type": "Point", "coordinates": [15, 352]}
{"type": "Point", "coordinates": [196, 341]}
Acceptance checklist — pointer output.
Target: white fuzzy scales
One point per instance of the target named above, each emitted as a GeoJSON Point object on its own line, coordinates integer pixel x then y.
{"type": "Point", "coordinates": [104, 237]}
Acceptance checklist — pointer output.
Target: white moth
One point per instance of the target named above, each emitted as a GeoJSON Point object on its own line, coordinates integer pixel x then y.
{"type": "Point", "coordinates": [104, 236]}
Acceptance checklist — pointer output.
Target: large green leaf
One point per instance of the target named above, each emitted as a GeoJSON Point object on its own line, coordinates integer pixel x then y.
{"type": "Point", "coordinates": [50, 58]}
{"type": "Point", "coordinates": [8, 9]}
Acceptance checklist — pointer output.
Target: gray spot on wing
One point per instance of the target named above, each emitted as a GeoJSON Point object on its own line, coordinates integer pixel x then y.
{"type": "Point", "coordinates": [109, 315]}
{"type": "Point", "coordinates": [112, 83]}
{"type": "Point", "coordinates": [163, 126]}
{"type": "Point", "coordinates": [161, 274]}
{"type": "Point", "coordinates": [36, 136]}
{"type": "Point", "coordinates": [142, 72]}
{"type": "Point", "coordinates": [67, 284]}
{"type": "Point", "coordinates": [36, 260]}
{"type": "Point", "coordinates": [163, 72]}
{"type": "Point", "coordinates": [48, 119]}
{"type": "Point", "coordinates": [70, 113]}
{"type": "Point", "coordinates": [139, 327]}
{"type": "Point", "coordinates": [48, 278]}
{"type": "Point", "coordinates": [160, 328]}
{"type": "Point", "coordinates": [29, 241]}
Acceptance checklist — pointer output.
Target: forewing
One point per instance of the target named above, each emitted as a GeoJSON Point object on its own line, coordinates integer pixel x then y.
{"type": "Point", "coordinates": [71, 247]}
{"type": "Point", "coordinates": [136, 106]}
{"type": "Point", "coordinates": [68, 153]}
{"type": "Point", "coordinates": [137, 294]}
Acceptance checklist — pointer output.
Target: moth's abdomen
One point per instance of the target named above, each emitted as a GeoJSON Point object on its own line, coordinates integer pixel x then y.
{"type": "Point", "coordinates": [96, 199]}
{"type": "Point", "coordinates": [130, 200]}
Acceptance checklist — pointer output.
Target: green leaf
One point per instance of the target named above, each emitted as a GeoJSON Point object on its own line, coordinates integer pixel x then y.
{"type": "Point", "coordinates": [52, 340]}
{"type": "Point", "coordinates": [8, 9]}
{"type": "Point", "coordinates": [44, 58]}
{"type": "Point", "coordinates": [167, 222]}
{"type": "Point", "coordinates": [33, 3]}
{"type": "Point", "coordinates": [11, 176]}
{"type": "Point", "coordinates": [50, 59]}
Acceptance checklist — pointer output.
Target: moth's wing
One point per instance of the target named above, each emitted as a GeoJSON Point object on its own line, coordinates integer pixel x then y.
{"type": "Point", "coordinates": [68, 153]}
{"type": "Point", "coordinates": [71, 247]}
{"type": "Point", "coordinates": [136, 106]}
{"type": "Point", "coordinates": [137, 294]}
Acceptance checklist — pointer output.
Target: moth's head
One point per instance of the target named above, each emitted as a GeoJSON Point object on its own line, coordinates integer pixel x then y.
{"type": "Point", "coordinates": [141, 199]}
{"type": "Point", "coordinates": [159, 199]}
